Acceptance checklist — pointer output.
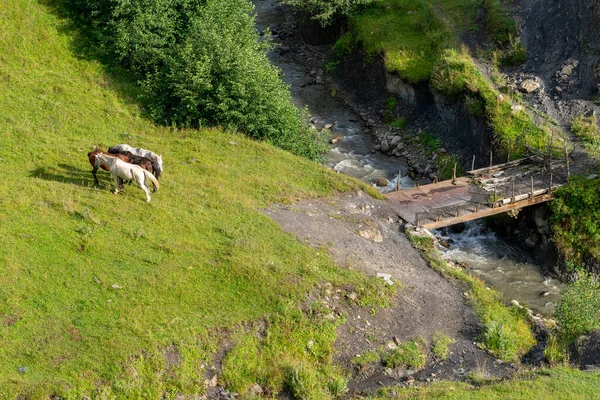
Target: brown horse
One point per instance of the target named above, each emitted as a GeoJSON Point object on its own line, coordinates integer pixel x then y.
{"type": "Point", "coordinates": [141, 161]}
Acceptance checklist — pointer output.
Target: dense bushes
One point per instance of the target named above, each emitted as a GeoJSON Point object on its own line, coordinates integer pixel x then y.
{"type": "Point", "coordinates": [578, 312]}
{"type": "Point", "coordinates": [576, 220]}
{"type": "Point", "coordinates": [199, 62]}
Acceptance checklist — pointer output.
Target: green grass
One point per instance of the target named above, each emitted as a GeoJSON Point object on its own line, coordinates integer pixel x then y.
{"type": "Point", "coordinates": [558, 383]}
{"type": "Point", "coordinates": [364, 359]}
{"type": "Point", "coordinates": [104, 295]}
{"type": "Point", "coordinates": [505, 330]}
{"type": "Point", "coordinates": [587, 129]}
{"type": "Point", "coordinates": [407, 32]}
{"type": "Point", "coordinates": [410, 355]}
{"type": "Point", "coordinates": [441, 345]}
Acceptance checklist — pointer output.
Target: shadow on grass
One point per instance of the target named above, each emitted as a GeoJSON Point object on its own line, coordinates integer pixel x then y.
{"type": "Point", "coordinates": [68, 174]}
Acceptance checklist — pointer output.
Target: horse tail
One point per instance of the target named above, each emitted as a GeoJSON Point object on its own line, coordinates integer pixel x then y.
{"type": "Point", "coordinates": [152, 179]}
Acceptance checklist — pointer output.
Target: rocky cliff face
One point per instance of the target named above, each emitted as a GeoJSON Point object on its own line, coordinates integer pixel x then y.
{"type": "Point", "coordinates": [563, 42]}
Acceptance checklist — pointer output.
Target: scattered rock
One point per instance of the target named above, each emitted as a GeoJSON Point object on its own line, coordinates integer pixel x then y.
{"type": "Point", "coordinates": [351, 296]}
{"type": "Point", "coordinates": [381, 182]}
{"type": "Point", "coordinates": [256, 389]}
{"type": "Point", "coordinates": [386, 277]}
{"type": "Point", "coordinates": [544, 293]}
{"type": "Point", "coordinates": [516, 108]}
{"type": "Point", "coordinates": [592, 176]}
{"type": "Point", "coordinates": [115, 286]}
{"type": "Point", "coordinates": [212, 382]}
{"type": "Point", "coordinates": [371, 234]}
{"type": "Point", "coordinates": [328, 126]}
{"type": "Point", "coordinates": [385, 146]}
{"type": "Point", "coordinates": [529, 85]}
{"type": "Point", "coordinates": [337, 139]}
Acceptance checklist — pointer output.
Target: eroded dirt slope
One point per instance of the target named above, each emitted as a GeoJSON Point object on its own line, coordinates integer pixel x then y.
{"type": "Point", "coordinates": [363, 233]}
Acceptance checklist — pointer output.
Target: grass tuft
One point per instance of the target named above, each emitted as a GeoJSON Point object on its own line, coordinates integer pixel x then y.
{"type": "Point", "coordinates": [441, 345]}
{"type": "Point", "coordinates": [410, 355]}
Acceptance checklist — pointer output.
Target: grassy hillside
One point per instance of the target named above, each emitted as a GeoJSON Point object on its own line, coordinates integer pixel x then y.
{"type": "Point", "coordinates": [104, 294]}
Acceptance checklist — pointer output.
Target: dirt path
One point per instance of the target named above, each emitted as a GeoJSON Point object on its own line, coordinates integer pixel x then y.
{"type": "Point", "coordinates": [426, 302]}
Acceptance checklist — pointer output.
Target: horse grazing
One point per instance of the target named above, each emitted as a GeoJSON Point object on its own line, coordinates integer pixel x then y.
{"type": "Point", "coordinates": [155, 158]}
{"type": "Point", "coordinates": [121, 169]}
{"type": "Point", "coordinates": [128, 158]}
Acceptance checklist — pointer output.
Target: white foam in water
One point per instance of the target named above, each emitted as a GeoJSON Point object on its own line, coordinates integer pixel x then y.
{"type": "Point", "coordinates": [502, 266]}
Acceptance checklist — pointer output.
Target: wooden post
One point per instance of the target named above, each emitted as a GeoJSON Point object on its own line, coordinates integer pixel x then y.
{"type": "Point", "coordinates": [417, 182]}
{"type": "Point", "coordinates": [494, 202]}
{"type": "Point", "coordinates": [457, 212]}
{"type": "Point", "coordinates": [435, 179]}
{"type": "Point", "coordinates": [508, 158]}
{"type": "Point", "coordinates": [491, 158]}
{"type": "Point", "coordinates": [454, 173]}
{"type": "Point", "coordinates": [473, 163]}
{"type": "Point", "coordinates": [531, 195]}
{"type": "Point", "coordinates": [513, 191]}
{"type": "Point", "coordinates": [567, 159]}
{"type": "Point", "coordinates": [550, 186]}
{"type": "Point", "coordinates": [398, 183]}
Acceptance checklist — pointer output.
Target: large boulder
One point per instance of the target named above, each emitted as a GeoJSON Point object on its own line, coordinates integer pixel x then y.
{"type": "Point", "coordinates": [586, 350]}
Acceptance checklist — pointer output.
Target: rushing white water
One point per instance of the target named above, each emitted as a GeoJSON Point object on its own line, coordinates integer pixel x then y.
{"type": "Point", "coordinates": [504, 266]}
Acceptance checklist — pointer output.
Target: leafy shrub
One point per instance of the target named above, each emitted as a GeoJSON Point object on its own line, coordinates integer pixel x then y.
{"type": "Point", "coordinates": [578, 312]}
{"type": "Point", "coordinates": [410, 355]}
{"type": "Point", "coordinates": [575, 220]}
{"type": "Point", "coordinates": [344, 45]}
{"type": "Point", "coordinates": [514, 53]}
{"type": "Point", "coordinates": [398, 123]}
{"type": "Point", "coordinates": [441, 345]}
{"type": "Point", "coordinates": [199, 63]}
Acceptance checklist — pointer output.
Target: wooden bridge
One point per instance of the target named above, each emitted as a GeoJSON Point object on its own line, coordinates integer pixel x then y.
{"type": "Point", "coordinates": [483, 192]}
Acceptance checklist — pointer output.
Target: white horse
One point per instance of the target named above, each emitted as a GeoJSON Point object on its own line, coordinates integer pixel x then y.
{"type": "Point", "coordinates": [155, 158]}
{"type": "Point", "coordinates": [125, 171]}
